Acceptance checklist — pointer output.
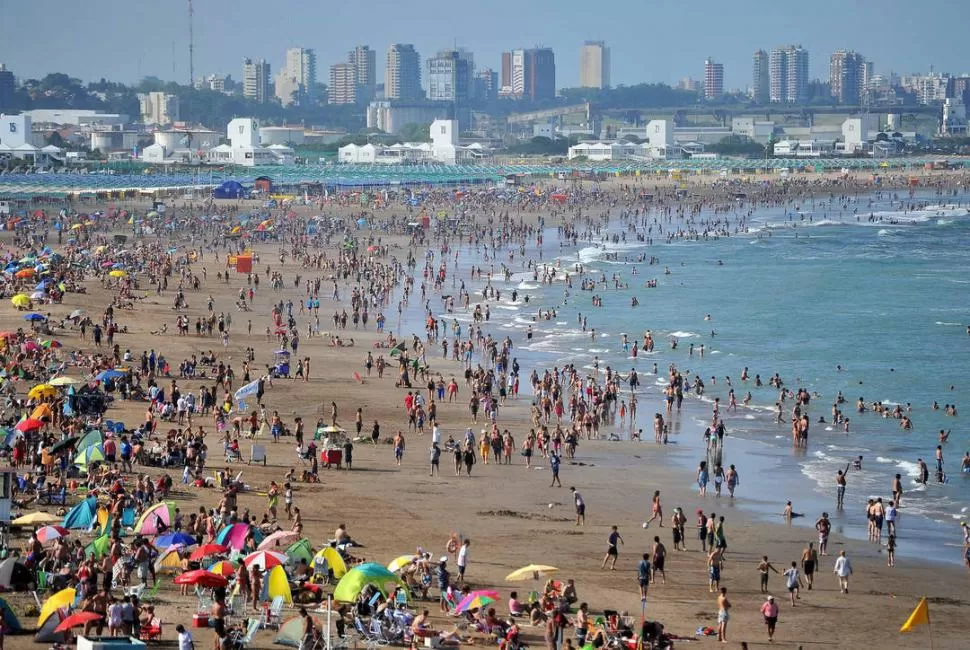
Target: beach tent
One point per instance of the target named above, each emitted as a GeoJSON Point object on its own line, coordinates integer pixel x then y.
{"type": "Point", "coordinates": [333, 560]}
{"type": "Point", "coordinates": [9, 618]}
{"type": "Point", "coordinates": [93, 437]}
{"type": "Point", "coordinates": [229, 190]}
{"type": "Point", "coordinates": [82, 516]}
{"type": "Point", "coordinates": [98, 547]}
{"type": "Point", "coordinates": [277, 584]}
{"type": "Point", "coordinates": [369, 573]}
{"type": "Point", "coordinates": [160, 515]}
{"type": "Point", "coordinates": [61, 600]}
{"type": "Point", "coordinates": [235, 536]}
{"type": "Point", "coordinates": [14, 575]}
{"type": "Point", "coordinates": [46, 631]}
{"type": "Point", "coordinates": [168, 562]}
{"type": "Point", "coordinates": [291, 631]}
{"type": "Point", "coordinates": [300, 550]}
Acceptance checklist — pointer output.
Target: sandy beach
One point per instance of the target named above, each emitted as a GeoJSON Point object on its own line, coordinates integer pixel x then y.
{"type": "Point", "coordinates": [509, 512]}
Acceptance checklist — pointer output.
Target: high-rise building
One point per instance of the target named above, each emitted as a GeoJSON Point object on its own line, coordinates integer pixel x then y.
{"type": "Point", "coordinates": [158, 108]}
{"type": "Point", "coordinates": [301, 64]}
{"type": "Point", "coordinates": [788, 71]}
{"type": "Point", "coordinates": [505, 87]}
{"type": "Point", "coordinates": [486, 84]}
{"type": "Point", "coordinates": [8, 86]}
{"type": "Point", "coordinates": [847, 76]}
{"type": "Point", "coordinates": [449, 76]}
{"type": "Point", "coordinates": [402, 74]}
{"type": "Point", "coordinates": [594, 65]}
{"type": "Point", "coordinates": [365, 61]}
{"type": "Point", "coordinates": [713, 79]}
{"type": "Point", "coordinates": [257, 80]}
{"type": "Point", "coordinates": [343, 84]}
{"type": "Point", "coordinates": [761, 78]}
{"type": "Point", "coordinates": [532, 74]}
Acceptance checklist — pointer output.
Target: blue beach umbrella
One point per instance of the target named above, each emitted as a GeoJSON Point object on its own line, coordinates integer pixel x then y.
{"type": "Point", "coordinates": [34, 316]}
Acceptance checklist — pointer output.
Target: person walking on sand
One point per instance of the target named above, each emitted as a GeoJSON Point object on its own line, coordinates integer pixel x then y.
{"type": "Point", "coordinates": [769, 610]}
{"type": "Point", "coordinates": [809, 564]}
{"type": "Point", "coordinates": [658, 512]}
{"type": "Point", "coordinates": [554, 463]}
{"type": "Point", "coordinates": [580, 507]}
{"type": "Point", "coordinates": [612, 549]}
{"type": "Point", "coordinates": [824, 527]}
{"type": "Point", "coordinates": [793, 581]}
{"type": "Point", "coordinates": [659, 559]}
{"type": "Point", "coordinates": [763, 568]}
{"type": "Point", "coordinates": [643, 576]}
{"type": "Point", "coordinates": [723, 615]}
{"type": "Point", "coordinates": [843, 569]}
{"type": "Point", "coordinates": [398, 447]}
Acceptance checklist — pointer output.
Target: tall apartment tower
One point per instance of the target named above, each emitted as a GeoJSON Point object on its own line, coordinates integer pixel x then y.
{"type": "Point", "coordinates": [343, 84]}
{"type": "Point", "coordinates": [450, 76]}
{"type": "Point", "coordinates": [848, 76]}
{"type": "Point", "coordinates": [541, 84]}
{"type": "Point", "coordinates": [301, 64]}
{"type": "Point", "coordinates": [257, 80]}
{"type": "Point", "coordinates": [788, 69]}
{"type": "Point", "coordinates": [402, 74]}
{"type": "Point", "coordinates": [364, 60]}
{"type": "Point", "coordinates": [594, 65]}
{"type": "Point", "coordinates": [761, 78]}
{"type": "Point", "coordinates": [713, 79]}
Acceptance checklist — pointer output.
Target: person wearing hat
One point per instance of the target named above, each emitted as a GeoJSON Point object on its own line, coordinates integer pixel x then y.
{"type": "Point", "coordinates": [444, 581]}
{"type": "Point", "coordinates": [769, 610]}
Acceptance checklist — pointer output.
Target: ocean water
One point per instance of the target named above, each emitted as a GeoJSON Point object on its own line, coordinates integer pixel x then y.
{"type": "Point", "coordinates": [878, 289]}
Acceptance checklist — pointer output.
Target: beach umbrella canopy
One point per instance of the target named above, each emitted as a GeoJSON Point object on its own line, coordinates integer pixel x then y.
{"type": "Point", "coordinates": [400, 562]}
{"type": "Point", "coordinates": [64, 381]}
{"type": "Point", "coordinates": [264, 559]}
{"type": "Point", "coordinates": [77, 313]}
{"type": "Point", "coordinates": [37, 295]}
{"type": "Point", "coordinates": [63, 598]}
{"type": "Point", "coordinates": [233, 536]}
{"type": "Point", "coordinates": [34, 518]}
{"type": "Point", "coordinates": [77, 619]}
{"type": "Point", "coordinates": [291, 632]}
{"type": "Point", "coordinates": [21, 300]}
{"type": "Point", "coordinates": [161, 513]}
{"type": "Point", "coordinates": [40, 391]}
{"type": "Point", "coordinates": [369, 573]}
{"type": "Point", "coordinates": [172, 539]}
{"type": "Point", "coordinates": [208, 549]}
{"type": "Point", "coordinates": [202, 578]}
{"type": "Point", "coordinates": [476, 600]}
{"type": "Point", "coordinates": [24, 273]}
{"type": "Point", "coordinates": [109, 374]}
{"type": "Point", "coordinates": [34, 316]}
{"type": "Point", "coordinates": [63, 444]}
{"type": "Point", "coordinates": [89, 455]}
{"type": "Point", "coordinates": [29, 424]}
{"type": "Point", "coordinates": [118, 273]}
{"type": "Point", "coordinates": [50, 533]}
{"type": "Point", "coordinates": [532, 571]}
{"type": "Point", "coordinates": [280, 538]}
{"type": "Point", "coordinates": [223, 568]}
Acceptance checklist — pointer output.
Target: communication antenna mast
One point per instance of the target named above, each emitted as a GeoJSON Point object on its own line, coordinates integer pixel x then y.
{"type": "Point", "coordinates": [191, 49]}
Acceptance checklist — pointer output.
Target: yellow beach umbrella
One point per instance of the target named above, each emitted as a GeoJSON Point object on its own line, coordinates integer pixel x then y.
{"type": "Point", "coordinates": [41, 391]}
{"type": "Point", "coordinates": [334, 561]}
{"type": "Point", "coordinates": [20, 300]}
{"type": "Point", "coordinates": [400, 562]}
{"type": "Point", "coordinates": [533, 571]}
{"type": "Point", "coordinates": [64, 381]}
{"type": "Point", "coordinates": [63, 598]}
{"type": "Point", "coordinates": [118, 273]}
{"type": "Point", "coordinates": [34, 518]}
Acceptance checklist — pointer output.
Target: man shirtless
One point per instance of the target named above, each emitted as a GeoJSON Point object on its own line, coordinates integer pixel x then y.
{"type": "Point", "coordinates": [809, 564]}
{"type": "Point", "coordinates": [723, 607]}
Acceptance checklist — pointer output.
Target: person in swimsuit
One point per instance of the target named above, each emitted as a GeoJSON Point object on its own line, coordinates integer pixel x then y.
{"type": "Point", "coordinates": [763, 568]}
{"type": "Point", "coordinates": [809, 562]}
{"type": "Point", "coordinates": [658, 512]}
{"type": "Point", "coordinates": [723, 615]}
{"type": "Point", "coordinates": [702, 478]}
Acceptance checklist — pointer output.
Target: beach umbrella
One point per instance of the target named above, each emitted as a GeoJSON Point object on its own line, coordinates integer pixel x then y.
{"type": "Point", "coordinates": [77, 619]}
{"type": "Point", "coordinates": [29, 425]}
{"type": "Point", "coordinates": [280, 538]}
{"type": "Point", "coordinates": [264, 559]}
{"type": "Point", "coordinates": [532, 571]}
{"type": "Point", "coordinates": [37, 295]}
{"type": "Point", "coordinates": [291, 632]}
{"type": "Point", "coordinates": [50, 533]}
{"type": "Point", "coordinates": [233, 536]}
{"type": "Point", "coordinates": [24, 273]}
{"type": "Point", "coordinates": [63, 444]}
{"type": "Point", "coordinates": [476, 600]}
{"type": "Point", "coordinates": [208, 549]}
{"type": "Point", "coordinates": [7, 335]}
{"type": "Point", "coordinates": [172, 539]}
{"type": "Point", "coordinates": [118, 273]}
{"type": "Point", "coordinates": [201, 578]}
{"type": "Point", "coordinates": [64, 381]}
{"type": "Point", "coordinates": [369, 573]}
{"type": "Point", "coordinates": [401, 561]}
{"type": "Point", "coordinates": [77, 313]}
{"type": "Point", "coordinates": [34, 518]}
{"type": "Point", "coordinates": [160, 513]}
{"type": "Point", "coordinates": [34, 316]}
{"type": "Point", "coordinates": [222, 568]}
{"type": "Point", "coordinates": [90, 455]}
{"type": "Point", "coordinates": [31, 346]}
{"type": "Point", "coordinates": [53, 343]}
{"type": "Point", "coordinates": [63, 598]}
{"type": "Point", "coordinates": [104, 375]}
{"type": "Point", "coordinates": [40, 391]}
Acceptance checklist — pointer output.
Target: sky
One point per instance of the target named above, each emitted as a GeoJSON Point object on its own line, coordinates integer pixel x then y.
{"type": "Point", "coordinates": [650, 40]}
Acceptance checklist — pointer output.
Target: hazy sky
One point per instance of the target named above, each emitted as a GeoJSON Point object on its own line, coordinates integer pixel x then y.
{"type": "Point", "coordinates": [651, 40]}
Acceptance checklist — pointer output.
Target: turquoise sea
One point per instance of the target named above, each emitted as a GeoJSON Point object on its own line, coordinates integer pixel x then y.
{"type": "Point", "coordinates": [869, 284]}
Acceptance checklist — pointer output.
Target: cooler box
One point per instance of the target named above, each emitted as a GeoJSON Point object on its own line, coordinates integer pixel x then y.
{"type": "Point", "coordinates": [332, 456]}
{"type": "Point", "coordinates": [200, 620]}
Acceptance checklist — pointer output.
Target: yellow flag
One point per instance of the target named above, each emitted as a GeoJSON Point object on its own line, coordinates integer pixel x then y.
{"type": "Point", "coordinates": [920, 616]}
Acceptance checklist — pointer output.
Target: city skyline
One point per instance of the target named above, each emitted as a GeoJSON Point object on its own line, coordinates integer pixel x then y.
{"type": "Point", "coordinates": [822, 27]}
